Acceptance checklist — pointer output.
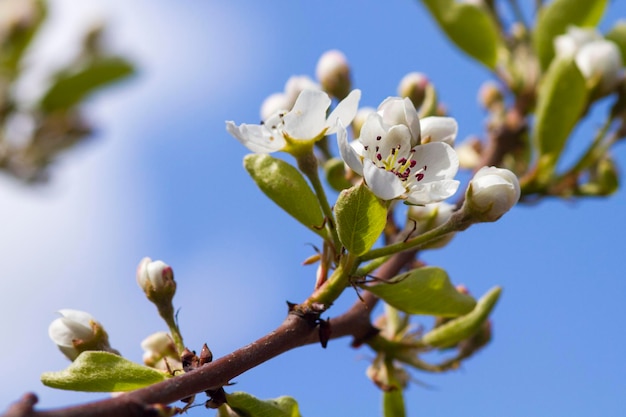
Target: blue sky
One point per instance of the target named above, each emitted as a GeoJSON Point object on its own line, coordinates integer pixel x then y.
{"type": "Point", "coordinates": [162, 178]}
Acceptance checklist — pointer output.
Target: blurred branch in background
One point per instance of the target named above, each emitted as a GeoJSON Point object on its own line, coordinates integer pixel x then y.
{"type": "Point", "coordinates": [32, 135]}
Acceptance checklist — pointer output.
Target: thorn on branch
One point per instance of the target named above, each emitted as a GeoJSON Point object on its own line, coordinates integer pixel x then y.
{"type": "Point", "coordinates": [324, 331]}
{"type": "Point", "coordinates": [217, 397]}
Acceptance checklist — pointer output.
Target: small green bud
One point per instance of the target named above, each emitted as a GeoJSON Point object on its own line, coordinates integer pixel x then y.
{"type": "Point", "coordinates": [336, 174]}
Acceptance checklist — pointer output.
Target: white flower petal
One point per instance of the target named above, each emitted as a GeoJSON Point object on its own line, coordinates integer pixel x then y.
{"type": "Point", "coordinates": [345, 111]}
{"type": "Point", "coordinates": [386, 185]}
{"type": "Point", "coordinates": [72, 326]}
{"type": "Point", "coordinates": [432, 191]}
{"type": "Point", "coordinates": [601, 59]}
{"type": "Point", "coordinates": [307, 118]}
{"type": "Point", "coordinates": [371, 130]}
{"type": "Point", "coordinates": [348, 154]}
{"type": "Point", "coordinates": [440, 160]}
{"type": "Point", "coordinates": [257, 138]}
{"type": "Point", "coordinates": [439, 129]}
{"type": "Point", "coordinates": [401, 111]}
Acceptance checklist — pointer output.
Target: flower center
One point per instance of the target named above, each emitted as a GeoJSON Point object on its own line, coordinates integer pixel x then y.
{"type": "Point", "coordinates": [274, 124]}
{"type": "Point", "coordinates": [403, 167]}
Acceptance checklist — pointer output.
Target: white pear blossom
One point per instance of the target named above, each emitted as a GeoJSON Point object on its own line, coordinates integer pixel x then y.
{"type": "Point", "coordinates": [492, 192]}
{"type": "Point", "coordinates": [392, 161]}
{"type": "Point", "coordinates": [598, 59]}
{"type": "Point", "coordinates": [303, 125]}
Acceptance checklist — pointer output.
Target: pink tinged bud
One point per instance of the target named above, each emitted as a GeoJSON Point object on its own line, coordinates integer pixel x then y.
{"type": "Point", "coordinates": [156, 278]}
{"type": "Point", "coordinates": [413, 86]}
{"type": "Point", "coordinates": [333, 73]}
{"type": "Point", "coordinates": [491, 193]}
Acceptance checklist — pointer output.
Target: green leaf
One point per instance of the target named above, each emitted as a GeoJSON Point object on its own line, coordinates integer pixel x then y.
{"type": "Point", "coordinates": [248, 406]}
{"type": "Point", "coordinates": [562, 99]}
{"type": "Point", "coordinates": [361, 218]}
{"type": "Point", "coordinates": [424, 291]}
{"type": "Point", "coordinates": [617, 34]}
{"type": "Point", "coordinates": [19, 38]}
{"type": "Point", "coordinates": [71, 88]}
{"type": "Point", "coordinates": [452, 332]}
{"type": "Point", "coordinates": [470, 27]}
{"type": "Point", "coordinates": [96, 371]}
{"type": "Point", "coordinates": [286, 187]}
{"type": "Point", "coordinates": [554, 19]}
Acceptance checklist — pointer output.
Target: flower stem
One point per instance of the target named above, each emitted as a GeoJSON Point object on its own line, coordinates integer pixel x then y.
{"type": "Point", "coordinates": [458, 221]}
{"type": "Point", "coordinates": [167, 314]}
{"type": "Point", "coordinates": [307, 162]}
{"type": "Point", "coordinates": [337, 282]}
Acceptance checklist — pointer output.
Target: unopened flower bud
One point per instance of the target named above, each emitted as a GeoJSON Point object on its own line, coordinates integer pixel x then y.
{"type": "Point", "coordinates": [333, 73]}
{"type": "Point", "coordinates": [387, 375]}
{"type": "Point", "coordinates": [159, 348]}
{"type": "Point", "coordinates": [156, 278]}
{"type": "Point", "coordinates": [283, 102]}
{"type": "Point", "coordinates": [428, 217]}
{"type": "Point", "coordinates": [275, 103]}
{"type": "Point", "coordinates": [603, 178]}
{"type": "Point", "coordinates": [469, 153]}
{"type": "Point", "coordinates": [413, 86]}
{"type": "Point", "coordinates": [77, 332]}
{"type": "Point", "coordinates": [335, 172]}
{"type": "Point", "coordinates": [491, 193]}
{"type": "Point", "coordinates": [17, 16]}
{"type": "Point", "coordinates": [601, 63]}
{"type": "Point", "coordinates": [598, 59]}
{"type": "Point", "coordinates": [490, 95]}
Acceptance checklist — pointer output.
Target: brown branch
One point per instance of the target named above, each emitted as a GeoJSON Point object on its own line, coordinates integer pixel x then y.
{"type": "Point", "coordinates": [294, 332]}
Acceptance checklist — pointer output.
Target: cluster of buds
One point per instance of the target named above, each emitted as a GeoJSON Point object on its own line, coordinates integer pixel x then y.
{"type": "Point", "coordinates": [333, 75]}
